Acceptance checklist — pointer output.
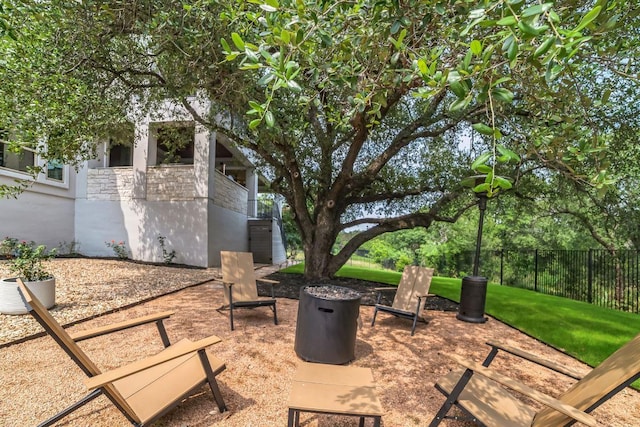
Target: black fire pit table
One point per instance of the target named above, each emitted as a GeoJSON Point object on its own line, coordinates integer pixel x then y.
{"type": "Point", "coordinates": [327, 324]}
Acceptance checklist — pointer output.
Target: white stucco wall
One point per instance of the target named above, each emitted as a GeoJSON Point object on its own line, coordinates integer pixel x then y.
{"type": "Point", "coordinates": [227, 218]}
{"type": "Point", "coordinates": [139, 223]}
{"type": "Point", "coordinates": [105, 210]}
{"type": "Point", "coordinates": [228, 232]}
{"type": "Point", "coordinates": [196, 208]}
{"type": "Point", "coordinates": [111, 213]}
{"type": "Point", "coordinates": [46, 219]}
{"type": "Point", "coordinates": [278, 254]}
{"type": "Point", "coordinates": [97, 222]}
{"type": "Point", "coordinates": [44, 212]}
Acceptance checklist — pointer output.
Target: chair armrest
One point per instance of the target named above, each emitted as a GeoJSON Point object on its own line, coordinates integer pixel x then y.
{"type": "Point", "coordinates": [386, 289]}
{"type": "Point", "coordinates": [538, 360]}
{"type": "Point", "coordinates": [270, 282]}
{"type": "Point", "coordinates": [425, 295]}
{"type": "Point", "coordinates": [381, 290]}
{"type": "Point", "coordinates": [549, 401]}
{"type": "Point", "coordinates": [169, 353]}
{"type": "Point", "coordinates": [114, 327]}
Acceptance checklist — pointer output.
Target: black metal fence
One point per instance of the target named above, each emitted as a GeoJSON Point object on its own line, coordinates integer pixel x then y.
{"type": "Point", "coordinates": [595, 276]}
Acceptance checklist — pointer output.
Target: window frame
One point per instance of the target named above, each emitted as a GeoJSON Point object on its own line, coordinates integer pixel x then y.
{"type": "Point", "coordinates": [123, 135]}
{"type": "Point", "coordinates": [19, 172]}
{"type": "Point", "coordinates": [109, 145]}
{"type": "Point", "coordinates": [158, 128]}
{"type": "Point", "coordinates": [42, 177]}
{"type": "Point", "coordinates": [62, 183]}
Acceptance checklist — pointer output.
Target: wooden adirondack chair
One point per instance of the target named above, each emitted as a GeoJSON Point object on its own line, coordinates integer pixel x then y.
{"type": "Point", "coordinates": [143, 390]}
{"type": "Point", "coordinates": [240, 288]}
{"type": "Point", "coordinates": [411, 295]}
{"type": "Point", "coordinates": [484, 395]}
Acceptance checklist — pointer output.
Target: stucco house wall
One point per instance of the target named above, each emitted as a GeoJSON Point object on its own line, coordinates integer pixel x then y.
{"type": "Point", "coordinates": [44, 213]}
{"type": "Point", "coordinates": [196, 228]}
{"type": "Point", "coordinates": [197, 209]}
{"type": "Point", "coordinates": [40, 217]}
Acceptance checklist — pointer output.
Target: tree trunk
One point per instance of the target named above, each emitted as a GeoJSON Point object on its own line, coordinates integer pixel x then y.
{"type": "Point", "coordinates": [317, 257]}
{"type": "Point", "coordinates": [316, 265]}
{"type": "Point", "coordinates": [318, 243]}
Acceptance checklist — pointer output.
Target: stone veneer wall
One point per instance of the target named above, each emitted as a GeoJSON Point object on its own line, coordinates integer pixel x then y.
{"type": "Point", "coordinates": [110, 184]}
{"type": "Point", "coordinates": [164, 183]}
{"type": "Point", "coordinates": [170, 183]}
{"type": "Point", "coordinates": [229, 194]}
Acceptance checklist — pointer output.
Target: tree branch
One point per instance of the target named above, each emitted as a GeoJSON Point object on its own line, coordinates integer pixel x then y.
{"type": "Point", "coordinates": [393, 195]}
{"type": "Point", "coordinates": [386, 225]}
{"type": "Point", "coordinates": [590, 227]}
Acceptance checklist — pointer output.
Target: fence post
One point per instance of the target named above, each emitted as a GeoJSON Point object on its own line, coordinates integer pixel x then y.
{"type": "Point", "coordinates": [535, 275]}
{"type": "Point", "coordinates": [590, 277]}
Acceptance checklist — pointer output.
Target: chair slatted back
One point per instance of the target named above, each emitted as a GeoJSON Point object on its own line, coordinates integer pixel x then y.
{"type": "Point", "coordinates": [616, 371]}
{"type": "Point", "coordinates": [237, 268]}
{"type": "Point", "coordinates": [415, 281]}
{"type": "Point", "coordinates": [64, 340]}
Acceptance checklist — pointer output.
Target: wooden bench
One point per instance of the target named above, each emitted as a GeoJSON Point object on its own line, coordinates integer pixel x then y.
{"type": "Point", "coordinates": [334, 389]}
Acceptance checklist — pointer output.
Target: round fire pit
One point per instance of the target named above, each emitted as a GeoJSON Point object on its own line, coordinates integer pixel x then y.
{"type": "Point", "coordinates": [327, 324]}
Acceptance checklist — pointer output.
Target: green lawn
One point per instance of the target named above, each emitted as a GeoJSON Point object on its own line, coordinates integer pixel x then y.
{"type": "Point", "coordinates": [587, 332]}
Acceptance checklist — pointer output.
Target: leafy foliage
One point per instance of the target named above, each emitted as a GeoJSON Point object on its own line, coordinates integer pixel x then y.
{"type": "Point", "coordinates": [26, 258]}
{"type": "Point", "coordinates": [362, 112]}
{"type": "Point", "coordinates": [294, 242]}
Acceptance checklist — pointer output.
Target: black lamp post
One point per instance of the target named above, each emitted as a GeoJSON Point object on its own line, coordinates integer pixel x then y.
{"type": "Point", "coordinates": [482, 206]}
{"type": "Point", "coordinates": [473, 293]}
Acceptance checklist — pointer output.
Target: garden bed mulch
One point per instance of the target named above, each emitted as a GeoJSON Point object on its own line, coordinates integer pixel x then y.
{"type": "Point", "coordinates": [290, 284]}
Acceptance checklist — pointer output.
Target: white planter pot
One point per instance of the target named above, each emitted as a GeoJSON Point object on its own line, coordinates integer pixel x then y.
{"type": "Point", "coordinates": [11, 301]}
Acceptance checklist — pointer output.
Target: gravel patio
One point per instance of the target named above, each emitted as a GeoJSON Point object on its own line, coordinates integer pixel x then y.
{"type": "Point", "coordinates": [39, 379]}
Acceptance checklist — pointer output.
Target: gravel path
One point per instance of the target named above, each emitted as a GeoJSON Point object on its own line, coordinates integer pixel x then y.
{"type": "Point", "coordinates": [87, 287]}
{"type": "Point", "coordinates": [38, 379]}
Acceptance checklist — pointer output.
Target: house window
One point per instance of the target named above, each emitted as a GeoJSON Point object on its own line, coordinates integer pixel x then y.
{"type": "Point", "coordinates": [121, 138]}
{"type": "Point", "coordinates": [120, 155]}
{"type": "Point", "coordinates": [175, 143]}
{"type": "Point", "coordinates": [55, 170]}
{"type": "Point", "coordinates": [52, 171]}
{"type": "Point", "coordinates": [17, 161]}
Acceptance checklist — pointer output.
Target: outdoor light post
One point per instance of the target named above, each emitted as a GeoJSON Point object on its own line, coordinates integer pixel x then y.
{"type": "Point", "coordinates": [482, 206]}
{"type": "Point", "coordinates": [473, 293]}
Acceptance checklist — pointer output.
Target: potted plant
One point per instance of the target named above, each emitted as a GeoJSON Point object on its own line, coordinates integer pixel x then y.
{"type": "Point", "coordinates": [25, 260]}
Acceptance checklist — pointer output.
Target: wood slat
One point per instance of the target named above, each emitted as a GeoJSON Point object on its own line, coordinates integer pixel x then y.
{"type": "Point", "coordinates": [114, 327]}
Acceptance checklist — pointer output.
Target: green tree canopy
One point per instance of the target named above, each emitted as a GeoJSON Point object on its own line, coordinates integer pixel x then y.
{"type": "Point", "coordinates": [361, 112]}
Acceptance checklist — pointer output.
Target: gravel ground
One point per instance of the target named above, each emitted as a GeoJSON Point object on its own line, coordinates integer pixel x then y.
{"type": "Point", "coordinates": [38, 379]}
{"type": "Point", "coordinates": [86, 287]}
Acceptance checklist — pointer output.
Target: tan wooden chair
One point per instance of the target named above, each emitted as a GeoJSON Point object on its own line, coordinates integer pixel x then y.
{"type": "Point", "coordinates": [143, 390]}
{"type": "Point", "coordinates": [411, 295]}
{"type": "Point", "coordinates": [485, 395]}
{"type": "Point", "coordinates": [240, 288]}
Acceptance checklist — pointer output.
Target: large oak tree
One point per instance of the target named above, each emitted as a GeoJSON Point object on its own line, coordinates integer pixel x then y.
{"type": "Point", "coordinates": [363, 113]}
